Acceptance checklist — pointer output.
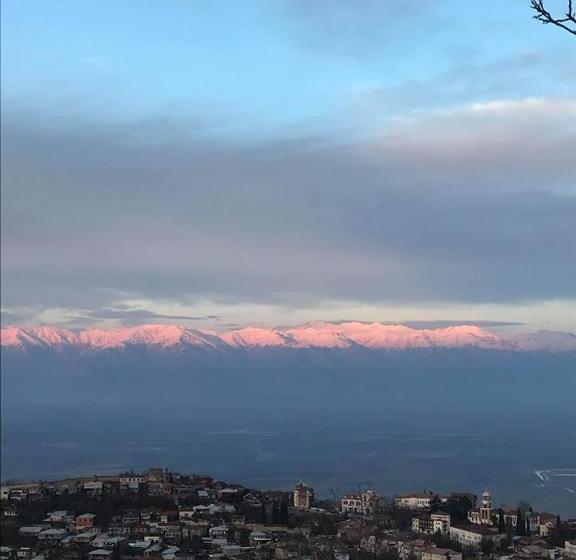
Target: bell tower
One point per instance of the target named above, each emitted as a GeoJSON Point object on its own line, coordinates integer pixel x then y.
{"type": "Point", "coordinates": [486, 509]}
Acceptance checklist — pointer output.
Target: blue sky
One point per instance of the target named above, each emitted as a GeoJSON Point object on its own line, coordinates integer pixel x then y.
{"type": "Point", "coordinates": [287, 127]}
{"type": "Point", "coordinates": [257, 65]}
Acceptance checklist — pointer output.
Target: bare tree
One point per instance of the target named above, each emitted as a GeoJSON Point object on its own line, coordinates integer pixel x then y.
{"type": "Point", "coordinates": [568, 22]}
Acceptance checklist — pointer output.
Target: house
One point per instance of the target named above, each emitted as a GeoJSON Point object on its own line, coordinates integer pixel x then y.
{"type": "Point", "coordinates": [119, 530]}
{"type": "Point", "coordinates": [221, 508]}
{"type": "Point", "coordinates": [251, 500]}
{"type": "Point", "coordinates": [303, 497]}
{"type": "Point", "coordinates": [18, 494]}
{"type": "Point", "coordinates": [31, 530]}
{"type": "Point", "coordinates": [473, 536]}
{"type": "Point", "coordinates": [365, 502]}
{"type": "Point", "coordinates": [52, 535]}
{"type": "Point", "coordinates": [153, 538]}
{"type": "Point", "coordinates": [107, 541]}
{"type": "Point", "coordinates": [140, 529]}
{"type": "Point", "coordinates": [169, 553]}
{"type": "Point", "coordinates": [419, 501]}
{"type": "Point", "coordinates": [153, 550]}
{"type": "Point", "coordinates": [183, 491]}
{"type": "Point", "coordinates": [10, 512]}
{"type": "Point", "coordinates": [138, 545]}
{"type": "Point", "coordinates": [440, 554]}
{"type": "Point", "coordinates": [259, 538]}
{"type": "Point", "coordinates": [62, 516]}
{"type": "Point", "coordinates": [413, 548]}
{"type": "Point", "coordinates": [218, 532]}
{"type": "Point", "coordinates": [168, 515]}
{"type": "Point", "coordinates": [92, 487]}
{"type": "Point", "coordinates": [228, 493]}
{"type": "Point", "coordinates": [86, 537]}
{"type": "Point", "coordinates": [547, 522]}
{"type": "Point", "coordinates": [186, 513]}
{"type": "Point", "coordinates": [431, 524]}
{"type": "Point", "coordinates": [157, 475]}
{"type": "Point", "coordinates": [194, 529]}
{"type": "Point", "coordinates": [131, 481]}
{"type": "Point", "coordinates": [130, 517]}
{"type": "Point", "coordinates": [150, 514]}
{"type": "Point", "coordinates": [440, 522]}
{"type": "Point", "coordinates": [100, 554]}
{"type": "Point", "coordinates": [84, 521]}
{"type": "Point", "coordinates": [70, 554]}
{"type": "Point", "coordinates": [530, 519]}
{"type": "Point", "coordinates": [172, 531]}
{"type": "Point", "coordinates": [201, 510]}
{"type": "Point", "coordinates": [67, 541]}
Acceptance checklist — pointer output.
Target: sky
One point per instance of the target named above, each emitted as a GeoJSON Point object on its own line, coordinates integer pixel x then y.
{"type": "Point", "coordinates": [215, 163]}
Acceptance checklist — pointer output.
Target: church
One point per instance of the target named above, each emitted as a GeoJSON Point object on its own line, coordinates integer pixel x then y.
{"type": "Point", "coordinates": [484, 514]}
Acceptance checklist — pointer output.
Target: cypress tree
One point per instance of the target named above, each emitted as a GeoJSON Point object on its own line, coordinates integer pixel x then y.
{"type": "Point", "coordinates": [501, 522]}
{"type": "Point", "coordinates": [520, 523]}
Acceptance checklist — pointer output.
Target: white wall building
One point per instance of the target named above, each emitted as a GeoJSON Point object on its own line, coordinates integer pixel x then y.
{"type": "Point", "coordinates": [303, 497]}
{"type": "Point", "coordinates": [441, 554]}
{"type": "Point", "coordinates": [473, 536]}
{"type": "Point", "coordinates": [415, 501]}
{"type": "Point", "coordinates": [365, 503]}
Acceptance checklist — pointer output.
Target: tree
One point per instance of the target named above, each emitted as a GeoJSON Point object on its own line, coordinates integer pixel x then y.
{"type": "Point", "coordinates": [501, 522]}
{"type": "Point", "coordinates": [524, 506]}
{"type": "Point", "coordinates": [435, 504]}
{"type": "Point", "coordinates": [520, 524]}
{"type": "Point", "coordinates": [458, 507]}
{"type": "Point", "coordinates": [568, 22]}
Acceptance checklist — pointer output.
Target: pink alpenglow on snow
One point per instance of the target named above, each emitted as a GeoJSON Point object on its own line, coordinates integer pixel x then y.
{"type": "Point", "coordinates": [313, 335]}
{"type": "Point", "coordinates": [254, 337]}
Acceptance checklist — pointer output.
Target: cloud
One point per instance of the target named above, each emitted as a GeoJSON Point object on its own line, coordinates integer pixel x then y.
{"type": "Point", "coordinates": [432, 324]}
{"type": "Point", "coordinates": [130, 316]}
{"type": "Point", "coordinates": [473, 203]}
{"type": "Point", "coordinates": [513, 77]}
{"type": "Point", "coordinates": [9, 317]}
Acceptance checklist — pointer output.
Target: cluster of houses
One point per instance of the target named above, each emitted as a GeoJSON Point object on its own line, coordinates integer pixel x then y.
{"type": "Point", "coordinates": [180, 517]}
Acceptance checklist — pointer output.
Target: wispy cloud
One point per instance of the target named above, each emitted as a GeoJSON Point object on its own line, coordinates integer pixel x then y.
{"type": "Point", "coordinates": [131, 316]}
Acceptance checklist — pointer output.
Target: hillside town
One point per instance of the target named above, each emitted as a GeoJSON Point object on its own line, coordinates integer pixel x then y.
{"type": "Point", "coordinates": [163, 515]}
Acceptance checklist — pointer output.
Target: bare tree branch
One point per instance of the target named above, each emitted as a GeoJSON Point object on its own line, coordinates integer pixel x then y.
{"type": "Point", "coordinates": [568, 22]}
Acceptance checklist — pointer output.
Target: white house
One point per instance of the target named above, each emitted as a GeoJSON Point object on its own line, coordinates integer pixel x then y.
{"type": "Point", "coordinates": [440, 554]}
{"type": "Point", "coordinates": [419, 501]}
{"type": "Point", "coordinates": [472, 536]}
{"type": "Point", "coordinates": [365, 502]}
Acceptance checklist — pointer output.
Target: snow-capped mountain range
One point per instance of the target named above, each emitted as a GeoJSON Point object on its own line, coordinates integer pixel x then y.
{"type": "Point", "coordinates": [312, 335]}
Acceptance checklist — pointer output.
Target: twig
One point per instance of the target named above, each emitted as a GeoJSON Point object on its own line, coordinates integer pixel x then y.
{"type": "Point", "coordinates": [568, 22]}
